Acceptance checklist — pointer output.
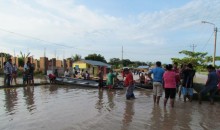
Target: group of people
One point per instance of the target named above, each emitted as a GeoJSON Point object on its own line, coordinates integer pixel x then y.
{"type": "Point", "coordinates": [174, 80]}
{"type": "Point", "coordinates": [28, 73]}
{"type": "Point", "coordinates": [77, 73]}
{"type": "Point", "coordinates": [11, 71]}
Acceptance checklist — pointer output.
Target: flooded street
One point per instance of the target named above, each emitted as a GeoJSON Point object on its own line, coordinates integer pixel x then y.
{"type": "Point", "coordinates": [67, 108]}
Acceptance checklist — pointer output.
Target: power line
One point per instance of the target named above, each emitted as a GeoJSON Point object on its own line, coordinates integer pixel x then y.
{"type": "Point", "coordinates": [207, 41]}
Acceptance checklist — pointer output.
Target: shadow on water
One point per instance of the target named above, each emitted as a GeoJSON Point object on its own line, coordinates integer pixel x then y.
{"type": "Point", "coordinates": [128, 114]}
{"type": "Point", "coordinates": [11, 100]}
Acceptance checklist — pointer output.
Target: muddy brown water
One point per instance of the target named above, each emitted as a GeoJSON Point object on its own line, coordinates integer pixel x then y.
{"type": "Point", "coordinates": [68, 108]}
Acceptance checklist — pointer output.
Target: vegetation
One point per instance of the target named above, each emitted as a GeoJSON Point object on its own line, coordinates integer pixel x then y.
{"type": "Point", "coordinates": [199, 59]}
{"type": "Point", "coordinates": [117, 63]}
{"type": "Point", "coordinates": [96, 57]}
{"type": "Point", "coordinates": [6, 55]}
{"type": "Point", "coordinates": [76, 57]}
{"type": "Point", "coordinates": [22, 58]}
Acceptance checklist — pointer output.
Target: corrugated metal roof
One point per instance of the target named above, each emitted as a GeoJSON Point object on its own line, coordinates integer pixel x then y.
{"type": "Point", "coordinates": [96, 63]}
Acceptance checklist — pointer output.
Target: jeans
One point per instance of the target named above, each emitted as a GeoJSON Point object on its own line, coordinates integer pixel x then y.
{"type": "Point", "coordinates": [8, 79]}
{"type": "Point", "coordinates": [130, 93]}
{"type": "Point", "coordinates": [211, 90]}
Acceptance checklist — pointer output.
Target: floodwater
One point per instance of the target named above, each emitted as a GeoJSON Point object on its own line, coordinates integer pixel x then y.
{"type": "Point", "coordinates": [68, 108]}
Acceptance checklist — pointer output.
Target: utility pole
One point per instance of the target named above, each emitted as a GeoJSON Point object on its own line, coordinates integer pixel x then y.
{"type": "Point", "coordinates": [215, 39]}
{"type": "Point", "coordinates": [214, 55]}
{"type": "Point", "coordinates": [193, 46]}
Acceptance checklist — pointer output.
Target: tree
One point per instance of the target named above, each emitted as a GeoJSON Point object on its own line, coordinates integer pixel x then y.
{"type": "Point", "coordinates": [6, 55]}
{"type": "Point", "coordinates": [126, 62]}
{"type": "Point", "coordinates": [22, 58]}
{"type": "Point", "coordinates": [115, 62]}
{"type": "Point", "coordinates": [95, 57]}
{"type": "Point", "coordinates": [199, 59]}
{"type": "Point", "coordinates": [76, 57]}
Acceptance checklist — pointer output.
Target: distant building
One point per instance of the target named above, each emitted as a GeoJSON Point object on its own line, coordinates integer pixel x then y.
{"type": "Point", "coordinates": [91, 66]}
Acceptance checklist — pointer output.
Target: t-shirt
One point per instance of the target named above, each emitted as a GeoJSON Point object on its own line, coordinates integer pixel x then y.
{"type": "Point", "coordinates": [66, 73]}
{"type": "Point", "coordinates": [213, 79]}
{"type": "Point", "coordinates": [26, 67]}
{"type": "Point", "coordinates": [129, 79]}
{"type": "Point", "coordinates": [158, 74]}
{"type": "Point", "coordinates": [8, 68]}
{"type": "Point", "coordinates": [110, 79]}
{"type": "Point", "coordinates": [177, 71]}
{"type": "Point", "coordinates": [188, 75]}
{"type": "Point", "coordinates": [101, 75]}
{"type": "Point", "coordinates": [169, 78]}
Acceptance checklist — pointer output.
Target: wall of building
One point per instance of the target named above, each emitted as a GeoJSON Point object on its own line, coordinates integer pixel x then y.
{"type": "Point", "coordinates": [81, 65]}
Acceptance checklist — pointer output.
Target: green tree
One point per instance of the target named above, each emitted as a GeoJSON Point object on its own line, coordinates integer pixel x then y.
{"type": "Point", "coordinates": [126, 62]}
{"type": "Point", "coordinates": [95, 57]}
{"type": "Point", "coordinates": [76, 57]}
{"type": "Point", "coordinates": [22, 58]}
{"type": "Point", "coordinates": [6, 55]}
{"type": "Point", "coordinates": [115, 62]}
{"type": "Point", "coordinates": [199, 59]}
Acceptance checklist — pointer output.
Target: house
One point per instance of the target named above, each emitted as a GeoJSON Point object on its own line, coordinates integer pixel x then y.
{"type": "Point", "coordinates": [91, 66]}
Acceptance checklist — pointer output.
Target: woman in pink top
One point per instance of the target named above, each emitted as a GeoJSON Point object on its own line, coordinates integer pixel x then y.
{"type": "Point", "coordinates": [169, 79]}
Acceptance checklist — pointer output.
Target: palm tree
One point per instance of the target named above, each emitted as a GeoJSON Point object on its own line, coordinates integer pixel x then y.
{"type": "Point", "coordinates": [21, 59]}
{"type": "Point", "coordinates": [77, 57]}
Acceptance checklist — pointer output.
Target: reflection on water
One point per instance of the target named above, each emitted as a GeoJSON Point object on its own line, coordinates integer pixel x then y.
{"type": "Point", "coordinates": [128, 114]}
{"type": "Point", "coordinates": [10, 100]}
{"type": "Point", "coordinates": [56, 107]}
{"type": "Point", "coordinates": [29, 97]}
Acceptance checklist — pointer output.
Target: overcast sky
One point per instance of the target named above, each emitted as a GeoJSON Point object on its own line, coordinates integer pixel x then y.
{"type": "Point", "coordinates": [149, 30]}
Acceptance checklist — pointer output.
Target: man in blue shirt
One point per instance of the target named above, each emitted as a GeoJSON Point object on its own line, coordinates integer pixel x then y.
{"type": "Point", "coordinates": [157, 72]}
{"type": "Point", "coordinates": [211, 84]}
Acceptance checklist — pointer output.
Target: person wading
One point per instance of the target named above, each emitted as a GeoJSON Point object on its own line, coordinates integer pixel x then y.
{"type": "Point", "coordinates": [169, 79]}
{"type": "Point", "coordinates": [157, 72]}
{"type": "Point", "coordinates": [129, 84]}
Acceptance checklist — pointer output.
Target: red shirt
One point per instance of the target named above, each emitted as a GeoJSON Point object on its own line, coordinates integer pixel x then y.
{"type": "Point", "coordinates": [169, 78]}
{"type": "Point", "coordinates": [128, 80]}
{"type": "Point", "coordinates": [177, 71]}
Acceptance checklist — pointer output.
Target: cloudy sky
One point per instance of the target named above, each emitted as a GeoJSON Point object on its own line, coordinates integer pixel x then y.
{"type": "Point", "coordinates": [149, 30]}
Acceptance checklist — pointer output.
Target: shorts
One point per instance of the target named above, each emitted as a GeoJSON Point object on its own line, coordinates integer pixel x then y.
{"type": "Point", "coordinates": [101, 83]}
{"type": "Point", "coordinates": [157, 89]}
{"type": "Point", "coordinates": [186, 91]}
{"type": "Point", "coordinates": [170, 93]}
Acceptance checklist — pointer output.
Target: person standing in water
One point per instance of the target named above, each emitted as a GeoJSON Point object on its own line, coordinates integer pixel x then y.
{"type": "Point", "coordinates": [157, 72]}
{"type": "Point", "coordinates": [129, 84]}
{"type": "Point", "coordinates": [14, 74]}
{"type": "Point", "coordinates": [110, 79]}
{"type": "Point", "coordinates": [101, 77]}
{"type": "Point", "coordinates": [169, 79]}
{"type": "Point", "coordinates": [9, 68]}
{"type": "Point", "coordinates": [187, 84]}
